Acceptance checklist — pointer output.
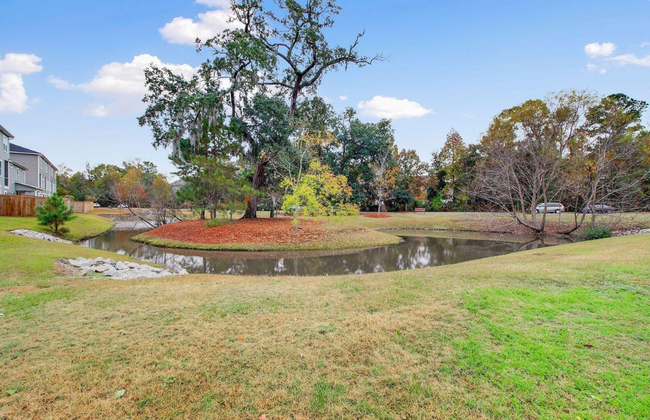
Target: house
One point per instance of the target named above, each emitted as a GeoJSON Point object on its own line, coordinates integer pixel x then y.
{"type": "Point", "coordinates": [13, 175]}
{"type": "Point", "coordinates": [40, 179]}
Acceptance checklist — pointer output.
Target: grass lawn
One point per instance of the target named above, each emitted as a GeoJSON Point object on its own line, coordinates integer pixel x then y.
{"type": "Point", "coordinates": [28, 264]}
{"type": "Point", "coordinates": [560, 332]}
{"type": "Point", "coordinates": [487, 222]}
{"type": "Point", "coordinates": [81, 227]}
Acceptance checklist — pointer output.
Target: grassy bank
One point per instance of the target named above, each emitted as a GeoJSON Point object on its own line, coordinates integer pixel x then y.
{"type": "Point", "coordinates": [554, 333]}
{"type": "Point", "coordinates": [487, 222]}
{"type": "Point", "coordinates": [83, 226]}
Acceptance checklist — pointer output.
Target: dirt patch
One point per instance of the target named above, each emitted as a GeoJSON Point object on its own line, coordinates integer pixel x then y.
{"type": "Point", "coordinates": [377, 216]}
{"type": "Point", "coordinates": [18, 290]}
{"type": "Point", "coordinates": [258, 231]}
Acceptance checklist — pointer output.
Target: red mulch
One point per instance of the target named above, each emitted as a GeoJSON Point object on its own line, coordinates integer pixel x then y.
{"type": "Point", "coordinates": [257, 231]}
{"type": "Point", "coordinates": [376, 216]}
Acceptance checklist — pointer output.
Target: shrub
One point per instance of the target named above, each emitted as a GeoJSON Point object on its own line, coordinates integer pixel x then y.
{"type": "Point", "coordinates": [436, 204]}
{"type": "Point", "coordinates": [347, 209]}
{"type": "Point", "coordinates": [217, 222]}
{"type": "Point", "coordinates": [54, 213]}
{"type": "Point", "coordinates": [596, 231]}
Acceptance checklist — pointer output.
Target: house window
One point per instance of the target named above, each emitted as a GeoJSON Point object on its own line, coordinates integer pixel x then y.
{"type": "Point", "coordinates": [5, 143]}
{"type": "Point", "coordinates": [6, 171]}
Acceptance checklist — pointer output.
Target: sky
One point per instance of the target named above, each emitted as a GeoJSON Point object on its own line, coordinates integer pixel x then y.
{"type": "Point", "coordinates": [71, 72]}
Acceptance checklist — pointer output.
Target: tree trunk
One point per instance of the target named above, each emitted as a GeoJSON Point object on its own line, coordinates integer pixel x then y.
{"type": "Point", "coordinates": [258, 180]}
{"type": "Point", "coordinates": [251, 208]}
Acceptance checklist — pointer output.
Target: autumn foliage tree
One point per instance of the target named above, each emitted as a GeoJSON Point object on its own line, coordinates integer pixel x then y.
{"type": "Point", "coordinates": [319, 193]}
{"type": "Point", "coordinates": [569, 147]}
{"type": "Point", "coordinates": [275, 57]}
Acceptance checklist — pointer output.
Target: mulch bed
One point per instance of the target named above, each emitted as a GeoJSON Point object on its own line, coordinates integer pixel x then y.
{"type": "Point", "coordinates": [257, 231]}
{"type": "Point", "coordinates": [376, 216]}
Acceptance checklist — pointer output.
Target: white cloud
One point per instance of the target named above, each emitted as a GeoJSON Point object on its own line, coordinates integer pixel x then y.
{"type": "Point", "coordinates": [121, 83]}
{"type": "Point", "coordinates": [602, 71]}
{"type": "Point", "coordinates": [183, 30]}
{"type": "Point", "coordinates": [20, 64]}
{"type": "Point", "coordinates": [385, 107]}
{"type": "Point", "coordinates": [631, 59]}
{"type": "Point", "coordinates": [343, 98]}
{"type": "Point", "coordinates": [59, 83]}
{"type": "Point", "coordinates": [13, 96]}
{"type": "Point", "coordinates": [600, 50]}
{"type": "Point", "coordinates": [645, 44]}
{"type": "Point", "coordinates": [96, 110]}
{"type": "Point", "coordinates": [472, 116]}
{"type": "Point", "coordinates": [591, 67]}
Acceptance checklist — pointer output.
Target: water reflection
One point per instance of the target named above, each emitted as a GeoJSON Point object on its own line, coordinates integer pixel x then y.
{"type": "Point", "coordinates": [414, 252]}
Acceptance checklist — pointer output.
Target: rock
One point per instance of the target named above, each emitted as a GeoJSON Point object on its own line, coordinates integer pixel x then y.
{"type": "Point", "coordinates": [80, 264]}
{"type": "Point", "coordinates": [120, 270]}
{"type": "Point", "coordinates": [86, 271]}
{"type": "Point", "coordinates": [102, 268]}
{"type": "Point", "coordinates": [38, 235]}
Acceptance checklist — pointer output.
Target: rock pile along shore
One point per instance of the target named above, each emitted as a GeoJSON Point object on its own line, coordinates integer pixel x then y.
{"type": "Point", "coordinates": [118, 270]}
{"type": "Point", "coordinates": [38, 235]}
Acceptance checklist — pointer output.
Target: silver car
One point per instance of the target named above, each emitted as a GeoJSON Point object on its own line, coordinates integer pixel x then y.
{"type": "Point", "coordinates": [550, 208]}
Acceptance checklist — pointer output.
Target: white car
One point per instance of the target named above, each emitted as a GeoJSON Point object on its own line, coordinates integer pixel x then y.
{"type": "Point", "coordinates": [550, 208]}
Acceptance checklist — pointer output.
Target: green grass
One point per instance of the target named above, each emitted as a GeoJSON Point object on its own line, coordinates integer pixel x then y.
{"type": "Point", "coordinates": [484, 222]}
{"type": "Point", "coordinates": [553, 333]}
{"type": "Point", "coordinates": [30, 262]}
{"type": "Point", "coordinates": [83, 226]}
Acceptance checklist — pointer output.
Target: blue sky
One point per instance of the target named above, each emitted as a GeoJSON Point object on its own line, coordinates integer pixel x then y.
{"type": "Point", "coordinates": [451, 64]}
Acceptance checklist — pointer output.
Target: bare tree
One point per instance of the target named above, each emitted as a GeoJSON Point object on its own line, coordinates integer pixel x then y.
{"type": "Point", "coordinates": [384, 176]}
{"type": "Point", "coordinates": [526, 150]}
{"type": "Point", "coordinates": [569, 147]}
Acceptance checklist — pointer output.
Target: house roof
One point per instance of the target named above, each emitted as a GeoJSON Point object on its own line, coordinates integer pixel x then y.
{"type": "Point", "coordinates": [20, 149]}
{"type": "Point", "coordinates": [22, 187]}
{"type": "Point", "coordinates": [15, 148]}
{"type": "Point", "coordinates": [6, 133]}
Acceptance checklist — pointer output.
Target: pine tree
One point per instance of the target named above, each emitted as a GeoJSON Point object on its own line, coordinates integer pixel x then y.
{"type": "Point", "coordinates": [54, 213]}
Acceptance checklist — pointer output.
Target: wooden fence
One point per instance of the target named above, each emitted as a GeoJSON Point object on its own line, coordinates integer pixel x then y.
{"type": "Point", "coordinates": [24, 205]}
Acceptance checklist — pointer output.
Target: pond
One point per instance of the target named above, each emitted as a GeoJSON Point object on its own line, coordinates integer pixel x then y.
{"type": "Point", "coordinates": [418, 250]}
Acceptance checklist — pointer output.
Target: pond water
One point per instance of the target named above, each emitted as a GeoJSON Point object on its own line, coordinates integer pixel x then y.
{"type": "Point", "coordinates": [418, 250]}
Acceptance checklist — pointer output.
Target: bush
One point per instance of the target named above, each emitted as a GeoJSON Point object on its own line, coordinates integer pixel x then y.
{"type": "Point", "coordinates": [347, 209]}
{"type": "Point", "coordinates": [596, 231]}
{"type": "Point", "coordinates": [54, 213]}
{"type": "Point", "coordinates": [217, 222]}
{"type": "Point", "coordinates": [436, 204]}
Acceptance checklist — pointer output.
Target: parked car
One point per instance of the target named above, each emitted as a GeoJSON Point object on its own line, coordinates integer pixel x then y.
{"type": "Point", "coordinates": [598, 208]}
{"type": "Point", "coordinates": [550, 208]}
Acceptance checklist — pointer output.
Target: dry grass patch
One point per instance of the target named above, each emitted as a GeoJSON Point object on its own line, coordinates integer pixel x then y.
{"type": "Point", "coordinates": [483, 339]}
